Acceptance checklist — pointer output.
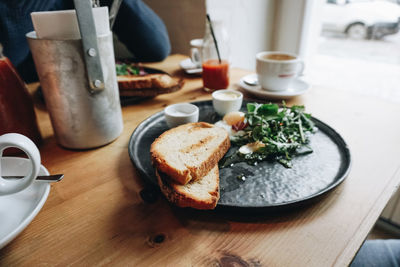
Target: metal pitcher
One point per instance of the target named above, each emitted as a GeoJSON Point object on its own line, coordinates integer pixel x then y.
{"type": "Point", "coordinates": [81, 95]}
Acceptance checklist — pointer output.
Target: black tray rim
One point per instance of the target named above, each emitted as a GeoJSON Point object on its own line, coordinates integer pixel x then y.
{"type": "Point", "coordinates": [338, 139]}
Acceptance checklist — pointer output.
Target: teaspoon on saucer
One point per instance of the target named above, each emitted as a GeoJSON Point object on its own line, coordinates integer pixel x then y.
{"type": "Point", "coordinates": [45, 178]}
{"type": "Point", "coordinates": [250, 80]}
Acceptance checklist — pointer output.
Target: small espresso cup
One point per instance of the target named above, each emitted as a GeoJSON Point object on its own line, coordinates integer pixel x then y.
{"type": "Point", "coordinates": [22, 142]}
{"type": "Point", "coordinates": [275, 69]}
{"type": "Point", "coordinates": [196, 46]}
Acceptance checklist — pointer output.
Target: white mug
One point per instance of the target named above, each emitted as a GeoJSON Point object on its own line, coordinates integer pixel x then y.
{"type": "Point", "coordinates": [25, 144]}
{"type": "Point", "coordinates": [276, 69]}
{"type": "Point", "coordinates": [196, 47]}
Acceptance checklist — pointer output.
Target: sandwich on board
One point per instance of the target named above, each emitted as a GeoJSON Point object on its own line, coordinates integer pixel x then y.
{"type": "Point", "coordinates": [148, 85]}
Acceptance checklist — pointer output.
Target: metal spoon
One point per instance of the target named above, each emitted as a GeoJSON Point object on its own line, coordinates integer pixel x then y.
{"type": "Point", "coordinates": [45, 178]}
{"type": "Point", "coordinates": [251, 80]}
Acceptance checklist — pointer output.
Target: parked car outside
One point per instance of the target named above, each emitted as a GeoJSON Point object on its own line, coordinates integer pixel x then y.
{"type": "Point", "coordinates": [361, 19]}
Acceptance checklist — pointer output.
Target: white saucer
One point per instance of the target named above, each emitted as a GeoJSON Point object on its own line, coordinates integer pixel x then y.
{"type": "Point", "coordinates": [296, 87]}
{"type": "Point", "coordinates": [18, 210]}
{"type": "Point", "coordinates": [189, 67]}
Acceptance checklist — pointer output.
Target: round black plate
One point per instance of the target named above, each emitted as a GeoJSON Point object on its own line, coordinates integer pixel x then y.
{"type": "Point", "coordinates": [268, 185]}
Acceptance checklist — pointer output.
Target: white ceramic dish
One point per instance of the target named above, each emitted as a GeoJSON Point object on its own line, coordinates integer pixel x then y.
{"type": "Point", "coordinates": [18, 210]}
{"type": "Point", "coordinates": [181, 113]}
{"type": "Point", "coordinates": [296, 87]}
{"type": "Point", "coordinates": [225, 101]}
{"type": "Point", "coordinates": [189, 67]}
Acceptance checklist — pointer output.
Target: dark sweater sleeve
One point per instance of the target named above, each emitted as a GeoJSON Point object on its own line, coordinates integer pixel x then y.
{"type": "Point", "coordinates": [15, 22]}
{"type": "Point", "coordinates": [142, 31]}
{"type": "Point", "coordinates": [136, 25]}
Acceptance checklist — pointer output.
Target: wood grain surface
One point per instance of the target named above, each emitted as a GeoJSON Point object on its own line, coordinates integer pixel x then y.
{"type": "Point", "coordinates": [95, 216]}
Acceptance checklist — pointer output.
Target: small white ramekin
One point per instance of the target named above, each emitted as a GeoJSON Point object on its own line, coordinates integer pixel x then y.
{"type": "Point", "coordinates": [223, 104]}
{"type": "Point", "coordinates": [181, 113]}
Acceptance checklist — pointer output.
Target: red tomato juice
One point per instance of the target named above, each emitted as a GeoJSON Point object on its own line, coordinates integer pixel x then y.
{"type": "Point", "coordinates": [215, 74]}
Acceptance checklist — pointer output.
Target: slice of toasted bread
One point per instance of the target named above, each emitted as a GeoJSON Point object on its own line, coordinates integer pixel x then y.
{"type": "Point", "coordinates": [147, 85]}
{"type": "Point", "coordinates": [190, 151]}
{"type": "Point", "coordinates": [202, 194]}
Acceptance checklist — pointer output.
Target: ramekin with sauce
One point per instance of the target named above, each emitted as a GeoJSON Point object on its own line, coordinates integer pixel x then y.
{"type": "Point", "coordinates": [225, 101]}
{"type": "Point", "coordinates": [181, 113]}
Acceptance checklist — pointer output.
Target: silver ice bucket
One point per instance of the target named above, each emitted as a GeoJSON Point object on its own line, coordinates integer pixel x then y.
{"type": "Point", "coordinates": [79, 83]}
{"type": "Point", "coordinates": [81, 118]}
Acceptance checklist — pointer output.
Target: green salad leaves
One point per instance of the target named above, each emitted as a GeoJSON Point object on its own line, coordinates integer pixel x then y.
{"type": "Point", "coordinates": [273, 133]}
{"type": "Point", "coordinates": [126, 69]}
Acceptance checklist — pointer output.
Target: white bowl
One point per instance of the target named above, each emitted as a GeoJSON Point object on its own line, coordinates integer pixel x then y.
{"type": "Point", "coordinates": [181, 113]}
{"type": "Point", "coordinates": [225, 101]}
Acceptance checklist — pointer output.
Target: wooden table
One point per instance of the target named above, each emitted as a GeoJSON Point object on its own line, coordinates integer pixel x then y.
{"type": "Point", "coordinates": [95, 216]}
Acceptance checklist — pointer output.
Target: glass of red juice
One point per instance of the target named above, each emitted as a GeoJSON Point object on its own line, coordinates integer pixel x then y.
{"type": "Point", "coordinates": [215, 74]}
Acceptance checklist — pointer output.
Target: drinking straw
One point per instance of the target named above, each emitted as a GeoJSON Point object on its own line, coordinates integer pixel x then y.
{"type": "Point", "coordinates": [215, 39]}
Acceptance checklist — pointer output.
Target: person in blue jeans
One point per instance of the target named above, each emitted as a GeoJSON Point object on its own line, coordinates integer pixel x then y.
{"type": "Point", "coordinates": [136, 25]}
{"type": "Point", "coordinates": [378, 253]}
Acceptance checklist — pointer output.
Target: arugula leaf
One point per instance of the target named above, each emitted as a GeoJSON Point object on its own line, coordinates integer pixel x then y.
{"type": "Point", "coordinates": [298, 109]}
{"type": "Point", "coordinates": [268, 110]}
{"type": "Point", "coordinates": [121, 69]}
{"type": "Point", "coordinates": [251, 107]}
{"type": "Point", "coordinates": [257, 133]}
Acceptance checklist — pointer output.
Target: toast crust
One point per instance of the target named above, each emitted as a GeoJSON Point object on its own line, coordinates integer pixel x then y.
{"type": "Point", "coordinates": [176, 194]}
{"type": "Point", "coordinates": [190, 172]}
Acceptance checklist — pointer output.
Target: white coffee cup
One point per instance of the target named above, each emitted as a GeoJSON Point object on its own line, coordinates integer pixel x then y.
{"type": "Point", "coordinates": [196, 47]}
{"type": "Point", "coordinates": [25, 144]}
{"type": "Point", "coordinates": [276, 69]}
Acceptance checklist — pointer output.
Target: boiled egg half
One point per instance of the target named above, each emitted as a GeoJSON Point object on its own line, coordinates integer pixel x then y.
{"type": "Point", "coordinates": [236, 118]}
{"type": "Point", "coordinates": [230, 119]}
